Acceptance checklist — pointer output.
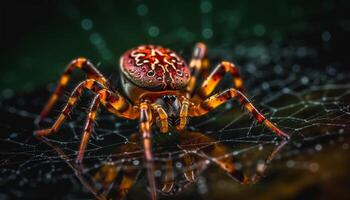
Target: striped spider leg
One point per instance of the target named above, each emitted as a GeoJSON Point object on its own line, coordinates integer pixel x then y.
{"type": "Point", "coordinates": [199, 65]}
{"type": "Point", "coordinates": [80, 63]}
{"type": "Point", "coordinates": [209, 149]}
{"type": "Point", "coordinates": [113, 101]}
{"type": "Point", "coordinates": [218, 99]}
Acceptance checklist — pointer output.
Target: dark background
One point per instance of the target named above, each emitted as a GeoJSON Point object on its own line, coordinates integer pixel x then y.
{"type": "Point", "coordinates": [38, 38]}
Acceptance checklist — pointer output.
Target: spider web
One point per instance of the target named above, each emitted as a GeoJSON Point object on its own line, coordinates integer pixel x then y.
{"type": "Point", "coordinates": [288, 83]}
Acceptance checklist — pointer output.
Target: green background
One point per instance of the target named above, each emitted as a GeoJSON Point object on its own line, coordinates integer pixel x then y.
{"type": "Point", "coordinates": [40, 37]}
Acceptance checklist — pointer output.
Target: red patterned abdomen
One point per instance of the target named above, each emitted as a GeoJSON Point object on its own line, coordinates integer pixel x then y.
{"type": "Point", "coordinates": [155, 68]}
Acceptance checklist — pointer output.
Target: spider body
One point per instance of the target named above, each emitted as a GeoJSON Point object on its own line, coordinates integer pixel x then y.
{"type": "Point", "coordinates": [159, 86]}
{"type": "Point", "coordinates": [155, 68]}
{"type": "Point", "coordinates": [151, 72]}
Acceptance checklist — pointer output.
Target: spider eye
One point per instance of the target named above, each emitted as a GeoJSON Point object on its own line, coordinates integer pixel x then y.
{"type": "Point", "coordinates": [166, 98]}
{"type": "Point", "coordinates": [169, 98]}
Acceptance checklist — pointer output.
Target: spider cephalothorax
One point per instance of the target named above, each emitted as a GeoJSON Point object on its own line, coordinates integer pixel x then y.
{"type": "Point", "coordinates": [171, 105]}
{"type": "Point", "coordinates": [159, 87]}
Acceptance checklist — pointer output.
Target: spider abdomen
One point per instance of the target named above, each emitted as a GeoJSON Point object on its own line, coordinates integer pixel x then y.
{"type": "Point", "coordinates": [155, 68]}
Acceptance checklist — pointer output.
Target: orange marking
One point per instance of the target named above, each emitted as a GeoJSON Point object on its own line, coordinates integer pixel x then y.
{"type": "Point", "coordinates": [89, 83]}
{"type": "Point", "coordinates": [227, 65]}
{"type": "Point", "coordinates": [125, 185]}
{"type": "Point", "coordinates": [58, 122]}
{"type": "Point", "coordinates": [111, 174]}
{"type": "Point", "coordinates": [92, 115]}
{"type": "Point", "coordinates": [238, 82]}
{"type": "Point", "coordinates": [103, 94]}
{"type": "Point", "coordinates": [249, 107]}
{"type": "Point", "coordinates": [79, 62]}
{"type": "Point", "coordinates": [72, 100]}
{"type": "Point", "coordinates": [269, 124]}
{"type": "Point", "coordinates": [275, 129]}
{"type": "Point", "coordinates": [64, 80]}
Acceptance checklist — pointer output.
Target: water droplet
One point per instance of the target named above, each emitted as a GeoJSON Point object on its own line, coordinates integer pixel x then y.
{"type": "Point", "coordinates": [304, 80]}
{"type": "Point", "coordinates": [87, 24]}
{"type": "Point", "coordinates": [326, 36]}
{"type": "Point", "coordinates": [318, 147]}
{"type": "Point", "coordinates": [178, 165]}
{"type": "Point", "coordinates": [207, 33]}
{"type": "Point", "coordinates": [206, 6]}
{"type": "Point", "coordinates": [259, 30]}
{"type": "Point", "coordinates": [153, 31]}
{"type": "Point", "coordinates": [136, 162]}
{"type": "Point", "coordinates": [142, 10]}
{"type": "Point", "coordinates": [313, 167]}
{"type": "Point", "coordinates": [157, 173]}
{"type": "Point", "coordinates": [290, 163]}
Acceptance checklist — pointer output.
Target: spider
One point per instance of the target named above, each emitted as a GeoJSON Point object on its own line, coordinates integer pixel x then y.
{"type": "Point", "coordinates": [159, 88]}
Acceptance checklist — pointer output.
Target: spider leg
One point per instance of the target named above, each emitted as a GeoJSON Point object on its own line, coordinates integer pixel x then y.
{"type": "Point", "coordinates": [79, 63]}
{"type": "Point", "coordinates": [214, 78]}
{"type": "Point", "coordinates": [116, 179]}
{"type": "Point", "coordinates": [191, 142]}
{"type": "Point", "coordinates": [125, 184]}
{"type": "Point", "coordinates": [113, 101]}
{"type": "Point", "coordinates": [218, 154]}
{"type": "Point", "coordinates": [145, 129]}
{"type": "Point", "coordinates": [209, 149]}
{"type": "Point", "coordinates": [188, 165]}
{"type": "Point", "coordinates": [183, 114]}
{"type": "Point", "coordinates": [170, 186]}
{"type": "Point", "coordinates": [262, 167]}
{"type": "Point", "coordinates": [168, 181]}
{"type": "Point", "coordinates": [107, 176]}
{"type": "Point", "coordinates": [91, 118]}
{"type": "Point", "coordinates": [163, 118]}
{"type": "Point", "coordinates": [216, 100]}
{"type": "Point", "coordinates": [77, 92]}
{"type": "Point", "coordinates": [198, 65]}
